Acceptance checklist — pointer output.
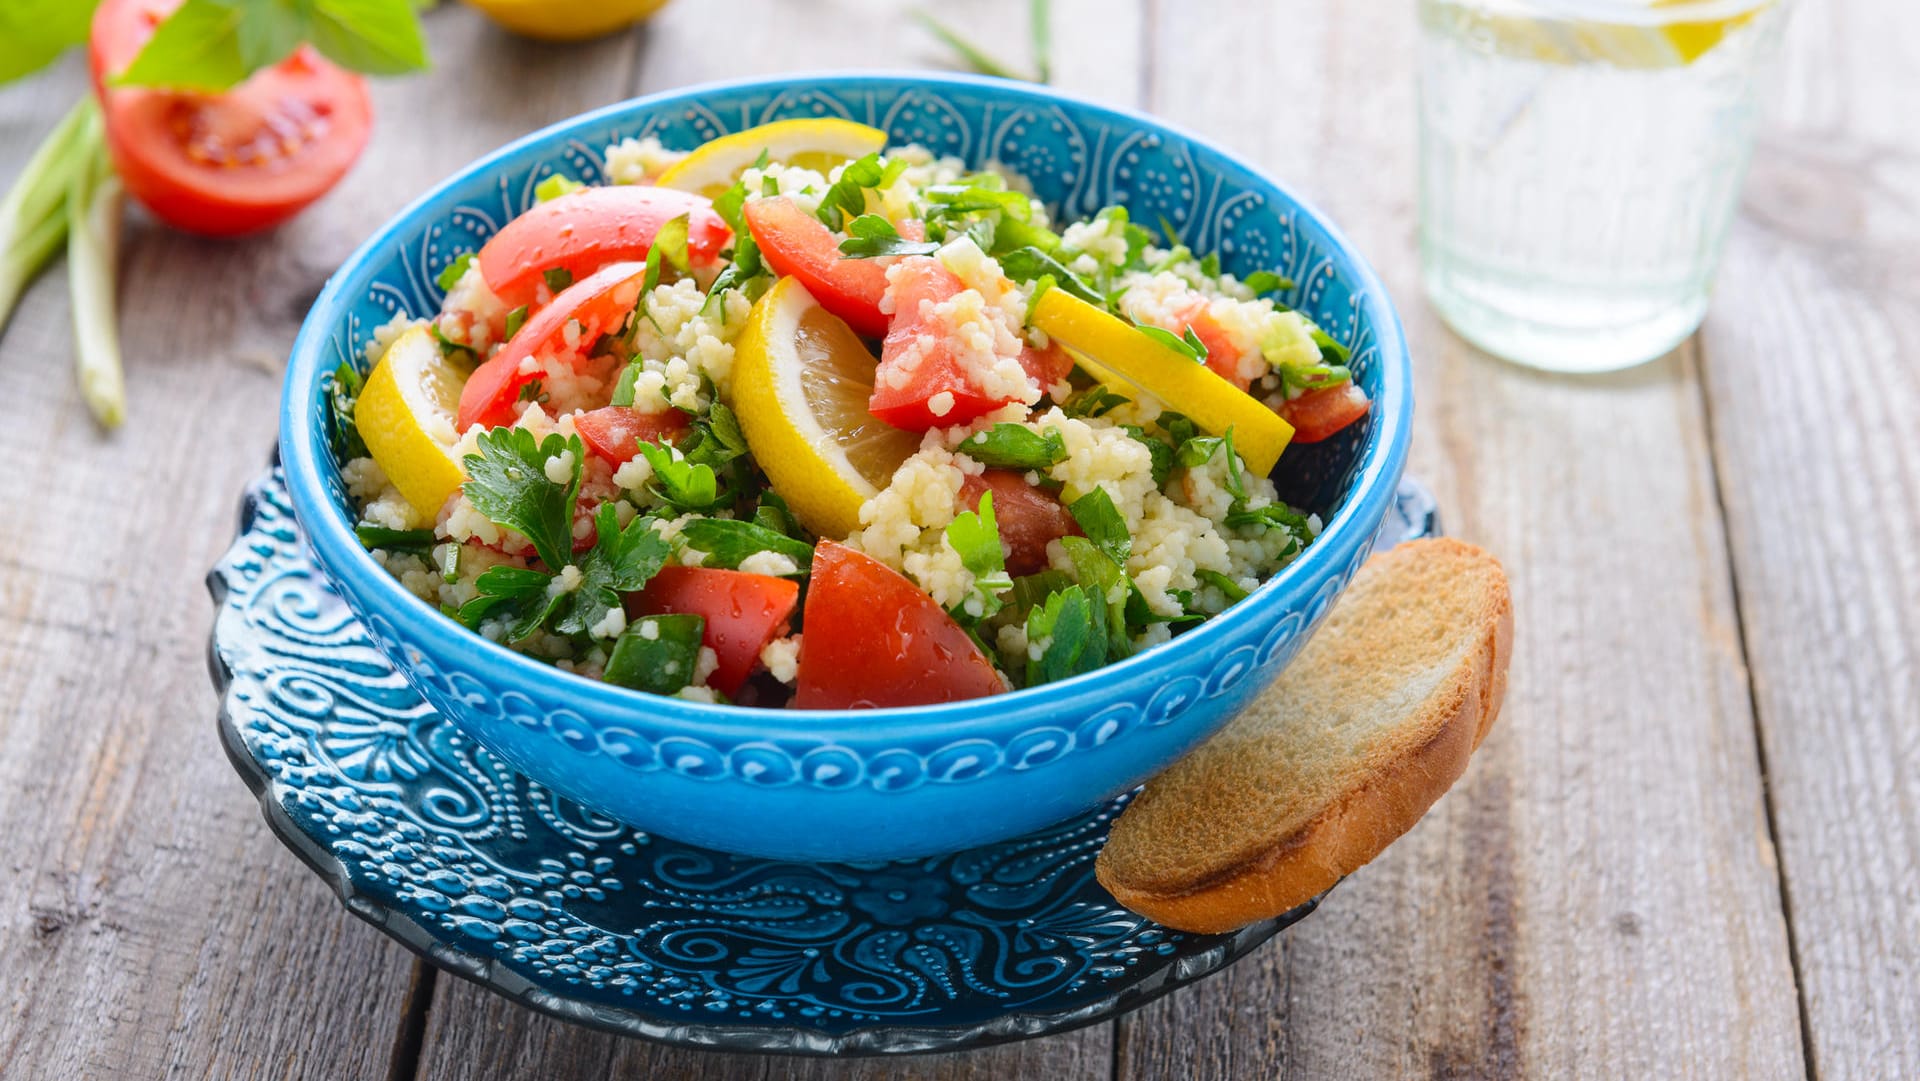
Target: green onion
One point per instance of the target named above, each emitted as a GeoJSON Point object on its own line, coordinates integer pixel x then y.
{"type": "Point", "coordinates": [33, 214]}
{"type": "Point", "coordinates": [93, 246]}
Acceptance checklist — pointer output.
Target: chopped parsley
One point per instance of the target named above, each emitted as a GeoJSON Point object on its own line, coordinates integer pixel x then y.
{"type": "Point", "coordinates": [1015, 446]}
{"type": "Point", "coordinates": [1187, 343]}
{"type": "Point", "coordinates": [728, 542]}
{"type": "Point", "coordinates": [1266, 281]}
{"type": "Point", "coordinates": [1101, 522]}
{"type": "Point", "coordinates": [515, 320]}
{"type": "Point", "coordinates": [975, 537]}
{"type": "Point", "coordinates": [557, 279]}
{"type": "Point", "coordinates": [394, 540]}
{"type": "Point", "coordinates": [555, 186]}
{"type": "Point", "coordinates": [657, 654]}
{"type": "Point", "coordinates": [343, 392]}
{"type": "Point", "coordinates": [847, 197]}
{"type": "Point", "coordinates": [870, 236]}
{"type": "Point", "coordinates": [508, 482]}
{"type": "Point", "coordinates": [450, 276]}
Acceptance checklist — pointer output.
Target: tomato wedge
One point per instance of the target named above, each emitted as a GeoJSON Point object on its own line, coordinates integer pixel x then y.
{"type": "Point", "coordinates": [228, 163]}
{"type": "Point", "coordinates": [1321, 414]}
{"type": "Point", "coordinates": [872, 639]}
{"type": "Point", "coordinates": [796, 244]}
{"type": "Point", "coordinates": [1222, 356]}
{"type": "Point", "coordinates": [1046, 366]}
{"type": "Point", "coordinates": [599, 304]}
{"type": "Point", "coordinates": [584, 231]}
{"type": "Point", "coordinates": [614, 432]}
{"type": "Point", "coordinates": [918, 369]}
{"type": "Point", "coordinates": [1028, 517]}
{"type": "Point", "coordinates": [743, 612]}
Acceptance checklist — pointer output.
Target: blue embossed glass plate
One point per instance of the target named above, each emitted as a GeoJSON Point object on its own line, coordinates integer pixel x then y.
{"type": "Point", "coordinates": [495, 878]}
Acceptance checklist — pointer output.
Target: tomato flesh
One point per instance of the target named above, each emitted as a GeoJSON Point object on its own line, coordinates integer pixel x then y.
{"type": "Point", "coordinates": [614, 432]}
{"type": "Point", "coordinates": [1028, 518]}
{"type": "Point", "coordinates": [743, 612]}
{"type": "Point", "coordinates": [872, 639]}
{"type": "Point", "coordinates": [1046, 366]}
{"type": "Point", "coordinates": [1223, 357]}
{"type": "Point", "coordinates": [797, 245]}
{"type": "Point", "coordinates": [598, 303]}
{"type": "Point", "coordinates": [228, 163]}
{"type": "Point", "coordinates": [917, 361]}
{"type": "Point", "coordinates": [585, 230]}
{"type": "Point", "coordinates": [1321, 414]}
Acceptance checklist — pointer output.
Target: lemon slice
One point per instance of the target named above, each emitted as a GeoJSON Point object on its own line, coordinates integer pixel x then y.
{"type": "Point", "coordinates": [406, 417]}
{"type": "Point", "coordinates": [1569, 33]}
{"type": "Point", "coordinates": [818, 144]}
{"type": "Point", "coordinates": [1118, 354]}
{"type": "Point", "coordinates": [801, 381]}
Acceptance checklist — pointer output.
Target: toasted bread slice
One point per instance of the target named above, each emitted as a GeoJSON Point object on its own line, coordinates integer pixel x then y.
{"type": "Point", "coordinates": [1373, 720]}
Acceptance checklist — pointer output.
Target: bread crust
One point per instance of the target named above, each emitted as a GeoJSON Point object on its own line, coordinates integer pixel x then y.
{"type": "Point", "coordinates": [1362, 821]}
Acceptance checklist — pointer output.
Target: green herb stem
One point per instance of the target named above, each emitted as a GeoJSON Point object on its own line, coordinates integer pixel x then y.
{"type": "Point", "coordinates": [93, 247]}
{"type": "Point", "coordinates": [33, 213]}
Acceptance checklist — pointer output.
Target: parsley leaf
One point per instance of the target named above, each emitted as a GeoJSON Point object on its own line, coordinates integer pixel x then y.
{"type": "Point", "coordinates": [518, 594]}
{"type": "Point", "coordinates": [1031, 264]}
{"type": "Point", "coordinates": [454, 271]}
{"type": "Point", "coordinates": [394, 540]}
{"type": "Point", "coordinates": [34, 32]}
{"type": "Point", "coordinates": [847, 197]}
{"type": "Point", "coordinates": [1187, 344]}
{"type": "Point", "coordinates": [1160, 451]}
{"type": "Point", "coordinates": [508, 482]}
{"type": "Point", "coordinates": [1097, 400]}
{"type": "Point", "coordinates": [620, 561]}
{"type": "Point", "coordinates": [1101, 522]}
{"type": "Point", "coordinates": [1106, 583]}
{"type": "Point", "coordinates": [1273, 516]}
{"type": "Point", "coordinates": [1015, 446]}
{"type": "Point", "coordinates": [449, 347]}
{"type": "Point", "coordinates": [1266, 281]}
{"type": "Point", "coordinates": [515, 320]}
{"type": "Point", "coordinates": [871, 235]}
{"type": "Point", "coordinates": [557, 279]}
{"type": "Point", "coordinates": [728, 542]}
{"type": "Point", "coordinates": [772, 513]}
{"type": "Point", "coordinates": [1072, 626]}
{"type": "Point", "coordinates": [343, 392]}
{"type": "Point", "coordinates": [1227, 586]}
{"type": "Point", "coordinates": [684, 485]}
{"type": "Point", "coordinates": [656, 653]}
{"type": "Point", "coordinates": [555, 186]}
{"type": "Point", "coordinates": [975, 537]}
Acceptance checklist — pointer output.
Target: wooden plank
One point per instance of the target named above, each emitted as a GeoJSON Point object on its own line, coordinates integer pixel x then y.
{"type": "Point", "coordinates": [469, 1030]}
{"type": "Point", "coordinates": [1597, 897]}
{"type": "Point", "coordinates": [1815, 405]}
{"type": "Point", "coordinates": [152, 926]}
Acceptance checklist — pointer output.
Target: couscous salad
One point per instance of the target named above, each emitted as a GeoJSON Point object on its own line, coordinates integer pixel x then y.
{"type": "Point", "coordinates": [801, 419]}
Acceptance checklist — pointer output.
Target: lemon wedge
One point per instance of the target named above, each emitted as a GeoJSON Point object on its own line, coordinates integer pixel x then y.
{"type": "Point", "coordinates": [1568, 34]}
{"type": "Point", "coordinates": [566, 20]}
{"type": "Point", "coordinates": [801, 381]}
{"type": "Point", "coordinates": [1118, 354]}
{"type": "Point", "coordinates": [819, 144]}
{"type": "Point", "coordinates": [406, 417]}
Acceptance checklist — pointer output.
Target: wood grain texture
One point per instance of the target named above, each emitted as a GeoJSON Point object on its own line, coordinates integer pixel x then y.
{"type": "Point", "coordinates": [468, 1030]}
{"type": "Point", "coordinates": [1597, 897]}
{"type": "Point", "coordinates": [1810, 361]}
{"type": "Point", "coordinates": [149, 925]}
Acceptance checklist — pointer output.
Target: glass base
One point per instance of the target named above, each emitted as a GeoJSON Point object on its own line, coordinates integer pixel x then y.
{"type": "Point", "coordinates": [1562, 330]}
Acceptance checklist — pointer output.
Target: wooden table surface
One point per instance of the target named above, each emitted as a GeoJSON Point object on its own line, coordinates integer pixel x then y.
{"type": "Point", "coordinates": [1691, 848]}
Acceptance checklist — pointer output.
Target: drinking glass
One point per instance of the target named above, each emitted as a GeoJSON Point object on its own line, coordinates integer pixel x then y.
{"type": "Point", "coordinates": [1580, 162]}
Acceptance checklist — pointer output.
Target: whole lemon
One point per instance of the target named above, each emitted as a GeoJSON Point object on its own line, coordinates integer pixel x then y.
{"type": "Point", "coordinates": [567, 20]}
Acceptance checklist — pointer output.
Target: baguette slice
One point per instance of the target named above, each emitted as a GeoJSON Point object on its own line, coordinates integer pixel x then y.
{"type": "Point", "coordinates": [1373, 720]}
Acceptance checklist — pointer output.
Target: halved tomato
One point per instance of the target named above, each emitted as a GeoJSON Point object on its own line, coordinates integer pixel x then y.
{"type": "Point", "coordinates": [584, 231]}
{"type": "Point", "coordinates": [228, 163]}
{"type": "Point", "coordinates": [1028, 517]}
{"type": "Point", "coordinates": [872, 639]}
{"type": "Point", "coordinates": [597, 305]}
{"type": "Point", "coordinates": [614, 432]}
{"type": "Point", "coordinates": [795, 244]}
{"type": "Point", "coordinates": [1321, 414]}
{"type": "Point", "coordinates": [743, 612]}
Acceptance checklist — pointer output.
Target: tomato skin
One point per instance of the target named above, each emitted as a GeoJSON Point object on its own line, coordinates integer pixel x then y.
{"type": "Point", "coordinates": [872, 639]}
{"type": "Point", "coordinates": [614, 432]}
{"type": "Point", "coordinates": [600, 303]}
{"type": "Point", "coordinates": [1321, 414]}
{"type": "Point", "coordinates": [743, 612]}
{"type": "Point", "coordinates": [918, 280]}
{"type": "Point", "coordinates": [1028, 517]}
{"type": "Point", "coordinates": [585, 230]}
{"type": "Point", "coordinates": [234, 162]}
{"type": "Point", "coordinates": [796, 244]}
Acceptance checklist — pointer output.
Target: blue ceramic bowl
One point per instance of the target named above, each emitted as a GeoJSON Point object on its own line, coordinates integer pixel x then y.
{"type": "Point", "coordinates": [872, 784]}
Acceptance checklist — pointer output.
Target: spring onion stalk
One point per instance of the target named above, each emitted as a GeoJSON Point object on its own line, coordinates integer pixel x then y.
{"type": "Point", "coordinates": [973, 55]}
{"type": "Point", "coordinates": [33, 213]}
{"type": "Point", "coordinates": [93, 246]}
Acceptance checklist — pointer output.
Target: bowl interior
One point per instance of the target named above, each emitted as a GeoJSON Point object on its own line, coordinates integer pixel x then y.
{"type": "Point", "coordinates": [1079, 157]}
